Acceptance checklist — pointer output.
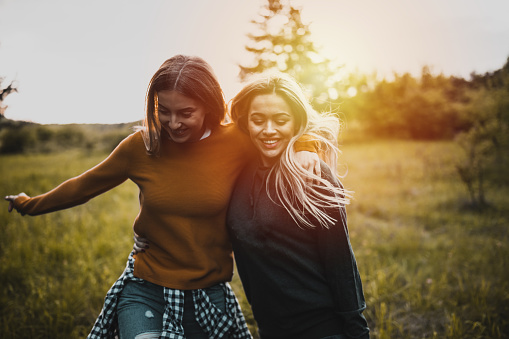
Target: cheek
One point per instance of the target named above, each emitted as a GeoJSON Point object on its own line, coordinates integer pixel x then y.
{"type": "Point", "coordinates": [200, 120]}
{"type": "Point", "coordinates": [251, 129]}
{"type": "Point", "coordinates": [251, 135]}
{"type": "Point", "coordinates": [252, 132]}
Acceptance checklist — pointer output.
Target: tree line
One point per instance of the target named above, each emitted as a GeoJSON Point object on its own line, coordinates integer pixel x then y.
{"type": "Point", "coordinates": [428, 107]}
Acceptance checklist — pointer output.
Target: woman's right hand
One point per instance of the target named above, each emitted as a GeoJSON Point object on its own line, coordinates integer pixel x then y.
{"type": "Point", "coordinates": [11, 198]}
{"type": "Point", "coordinates": [140, 244]}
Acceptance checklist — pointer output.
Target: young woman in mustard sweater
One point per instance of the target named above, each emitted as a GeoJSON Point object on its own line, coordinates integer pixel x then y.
{"type": "Point", "coordinates": [185, 163]}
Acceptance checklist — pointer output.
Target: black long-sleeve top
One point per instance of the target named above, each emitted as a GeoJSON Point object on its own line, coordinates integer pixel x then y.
{"type": "Point", "coordinates": [300, 282]}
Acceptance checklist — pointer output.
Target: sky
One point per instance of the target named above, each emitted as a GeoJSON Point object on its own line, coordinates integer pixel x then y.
{"type": "Point", "coordinates": [90, 61]}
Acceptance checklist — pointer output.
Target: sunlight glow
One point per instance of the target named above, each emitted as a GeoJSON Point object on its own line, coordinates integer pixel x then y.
{"type": "Point", "coordinates": [333, 94]}
{"type": "Point", "coordinates": [352, 91]}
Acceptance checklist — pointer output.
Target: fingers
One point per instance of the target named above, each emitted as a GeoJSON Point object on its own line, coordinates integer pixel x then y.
{"type": "Point", "coordinates": [140, 244]}
{"type": "Point", "coordinates": [310, 168]}
{"type": "Point", "coordinates": [310, 162]}
{"type": "Point", "coordinates": [313, 167]}
{"type": "Point", "coordinates": [137, 249]}
{"type": "Point", "coordinates": [318, 169]}
{"type": "Point", "coordinates": [11, 198]}
{"type": "Point", "coordinates": [307, 163]}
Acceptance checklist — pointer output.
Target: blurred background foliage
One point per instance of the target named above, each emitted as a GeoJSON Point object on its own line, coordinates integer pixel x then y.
{"type": "Point", "coordinates": [473, 113]}
{"type": "Point", "coordinates": [428, 107]}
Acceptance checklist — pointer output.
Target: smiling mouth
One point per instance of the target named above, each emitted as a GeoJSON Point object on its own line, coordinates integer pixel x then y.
{"type": "Point", "coordinates": [178, 132]}
{"type": "Point", "coordinates": [270, 143]}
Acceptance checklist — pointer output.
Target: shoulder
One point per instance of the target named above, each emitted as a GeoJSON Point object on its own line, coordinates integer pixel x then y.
{"type": "Point", "coordinates": [133, 139]}
{"type": "Point", "coordinates": [233, 136]}
{"type": "Point", "coordinates": [131, 144]}
{"type": "Point", "coordinates": [231, 130]}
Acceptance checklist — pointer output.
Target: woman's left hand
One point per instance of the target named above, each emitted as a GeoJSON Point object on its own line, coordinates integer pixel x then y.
{"type": "Point", "coordinates": [11, 198]}
{"type": "Point", "coordinates": [310, 162]}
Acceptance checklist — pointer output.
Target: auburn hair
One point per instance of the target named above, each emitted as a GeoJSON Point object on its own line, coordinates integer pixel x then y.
{"type": "Point", "coordinates": [191, 76]}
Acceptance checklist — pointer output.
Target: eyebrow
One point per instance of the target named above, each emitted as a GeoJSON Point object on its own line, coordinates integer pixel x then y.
{"type": "Point", "coordinates": [280, 113]}
{"type": "Point", "coordinates": [187, 108]}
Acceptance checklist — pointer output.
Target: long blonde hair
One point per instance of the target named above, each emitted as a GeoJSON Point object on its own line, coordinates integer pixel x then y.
{"type": "Point", "coordinates": [300, 199]}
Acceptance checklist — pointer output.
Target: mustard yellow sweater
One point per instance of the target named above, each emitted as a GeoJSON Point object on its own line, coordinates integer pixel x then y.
{"type": "Point", "coordinates": [184, 195]}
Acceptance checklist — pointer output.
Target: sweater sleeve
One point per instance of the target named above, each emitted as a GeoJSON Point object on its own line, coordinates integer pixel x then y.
{"type": "Point", "coordinates": [341, 270]}
{"type": "Point", "coordinates": [78, 190]}
{"type": "Point", "coordinates": [306, 143]}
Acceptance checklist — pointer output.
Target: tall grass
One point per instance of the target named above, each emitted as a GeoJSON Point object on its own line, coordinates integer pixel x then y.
{"type": "Point", "coordinates": [431, 267]}
{"type": "Point", "coordinates": [55, 269]}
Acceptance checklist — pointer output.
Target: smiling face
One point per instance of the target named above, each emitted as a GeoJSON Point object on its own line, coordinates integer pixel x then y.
{"type": "Point", "coordinates": [271, 125]}
{"type": "Point", "coordinates": [181, 116]}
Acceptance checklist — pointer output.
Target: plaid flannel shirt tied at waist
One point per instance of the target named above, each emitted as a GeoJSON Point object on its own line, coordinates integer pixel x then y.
{"type": "Point", "coordinates": [214, 322]}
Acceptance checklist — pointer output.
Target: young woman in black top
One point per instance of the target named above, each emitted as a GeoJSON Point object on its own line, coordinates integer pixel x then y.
{"type": "Point", "coordinates": [290, 239]}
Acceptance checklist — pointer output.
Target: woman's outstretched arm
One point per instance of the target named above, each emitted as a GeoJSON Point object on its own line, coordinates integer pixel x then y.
{"type": "Point", "coordinates": [78, 190]}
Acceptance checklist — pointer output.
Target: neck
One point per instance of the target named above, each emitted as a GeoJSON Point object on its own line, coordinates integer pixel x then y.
{"type": "Point", "coordinates": [268, 162]}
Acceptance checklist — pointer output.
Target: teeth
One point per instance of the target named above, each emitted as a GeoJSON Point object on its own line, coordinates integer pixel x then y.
{"type": "Point", "coordinates": [269, 142]}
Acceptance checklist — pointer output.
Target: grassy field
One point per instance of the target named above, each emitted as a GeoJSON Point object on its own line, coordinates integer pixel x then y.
{"type": "Point", "coordinates": [431, 266]}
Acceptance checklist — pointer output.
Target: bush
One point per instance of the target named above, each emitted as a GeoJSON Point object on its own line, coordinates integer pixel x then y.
{"type": "Point", "coordinates": [15, 140]}
{"type": "Point", "coordinates": [69, 137]}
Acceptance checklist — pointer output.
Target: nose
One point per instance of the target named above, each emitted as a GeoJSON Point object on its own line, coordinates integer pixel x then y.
{"type": "Point", "coordinates": [174, 122]}
{"type": "Point", "coordinates": [269, 128]}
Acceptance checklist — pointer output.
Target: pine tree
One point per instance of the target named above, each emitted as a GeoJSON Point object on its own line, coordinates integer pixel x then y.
{"type": "Point", "coordinates": [283, 42]}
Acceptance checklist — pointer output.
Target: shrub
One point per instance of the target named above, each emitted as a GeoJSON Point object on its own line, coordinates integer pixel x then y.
{"type": "Point", "coordinates": [15, 140]}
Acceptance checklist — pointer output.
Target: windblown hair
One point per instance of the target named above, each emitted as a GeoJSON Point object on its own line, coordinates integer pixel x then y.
{"type": "Point", "coordinates": [306, 203]}
{"type": "Point", "coordinates": [191, 76]}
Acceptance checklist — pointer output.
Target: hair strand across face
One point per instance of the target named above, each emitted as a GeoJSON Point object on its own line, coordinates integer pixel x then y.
{"type": "Point", "coordinates": [300, 199]}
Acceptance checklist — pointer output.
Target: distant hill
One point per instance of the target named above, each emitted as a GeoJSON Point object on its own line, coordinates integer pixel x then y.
{"type": "Point", "coordinates": [9, 123]}
{"type": "Point", "coordinates": [28, 137]}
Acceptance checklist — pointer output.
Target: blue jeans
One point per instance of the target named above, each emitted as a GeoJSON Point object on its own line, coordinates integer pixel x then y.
{"type": "Point", "coordinates": [141, 307]}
